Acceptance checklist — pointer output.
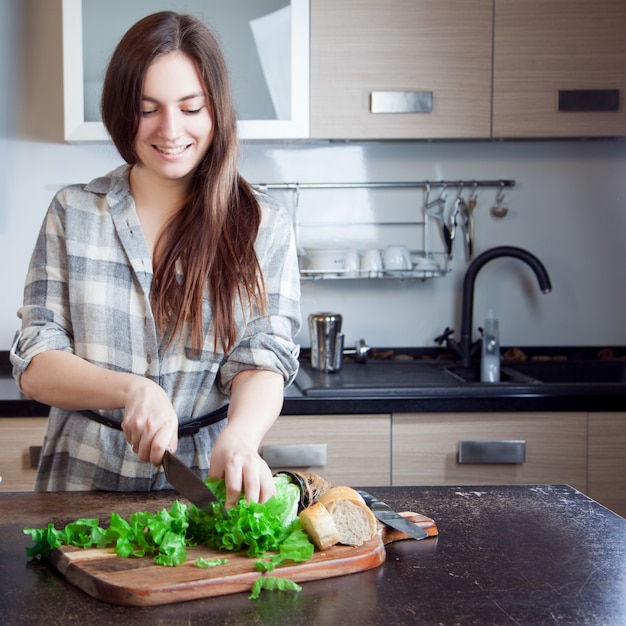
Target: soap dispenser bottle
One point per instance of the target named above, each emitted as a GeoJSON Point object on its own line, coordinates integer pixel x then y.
{"type": "Point", "coordinates": [490, 361]}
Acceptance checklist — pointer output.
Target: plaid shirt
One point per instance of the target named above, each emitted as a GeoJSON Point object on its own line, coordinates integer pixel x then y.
{"type": "Point", "coordinates": [88, 292]}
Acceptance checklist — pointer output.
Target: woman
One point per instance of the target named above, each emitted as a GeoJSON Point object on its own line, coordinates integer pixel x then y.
{"type": "Point", "coordinates": [163, 290]}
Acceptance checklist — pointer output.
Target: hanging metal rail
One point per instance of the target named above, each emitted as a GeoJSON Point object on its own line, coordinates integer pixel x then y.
{"type": "Point", "coordinates": [432, 184]}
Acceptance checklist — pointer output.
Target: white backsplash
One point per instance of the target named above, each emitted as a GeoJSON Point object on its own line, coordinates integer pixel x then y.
{"type": "Point", "coordinates": [568, 207]}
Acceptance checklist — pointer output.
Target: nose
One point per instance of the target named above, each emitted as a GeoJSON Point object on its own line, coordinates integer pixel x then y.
{"type": "Point", "coordinates": [169, 123]}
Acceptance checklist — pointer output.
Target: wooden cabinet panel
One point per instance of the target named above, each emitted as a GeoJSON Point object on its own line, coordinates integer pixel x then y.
{"type": "Point", "coordinates": [542, 46]}
{"type": "Point", "coordinates": [17, 436]}
{"type": "Point", "coordinates": [607, 460]}
{"type": "Point", "coordinates": [360, 46]}
{"type": "Point", "coordinates": [358, 446]}
{"type": "Point", "coordinates": [425, 448]}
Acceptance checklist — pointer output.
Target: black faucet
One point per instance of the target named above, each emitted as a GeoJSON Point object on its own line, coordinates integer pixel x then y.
{"type": "Point", "coordinates": [464, 347]}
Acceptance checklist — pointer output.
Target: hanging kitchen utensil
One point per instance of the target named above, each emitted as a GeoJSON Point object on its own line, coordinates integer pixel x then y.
{"type": "Point", "coordinates": [454, 216]}
{"type": "Point", "coordinates": [469, 237]}
{"type": "Point", "coordinates": [435, 209]}
{"type": "Point", "coordinates": [498, 210]}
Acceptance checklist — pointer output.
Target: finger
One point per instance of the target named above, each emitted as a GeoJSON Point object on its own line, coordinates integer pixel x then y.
{"type": "Point", "coordinates": [268, 487]}
{"type": "Point", "coordinates": [233, 479]}
{"type": "Point", "coordinates": [252, 486]}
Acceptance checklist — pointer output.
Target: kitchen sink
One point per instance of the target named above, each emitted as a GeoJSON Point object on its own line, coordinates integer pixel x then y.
{"type": "Point", "coordinates": [414, 378]}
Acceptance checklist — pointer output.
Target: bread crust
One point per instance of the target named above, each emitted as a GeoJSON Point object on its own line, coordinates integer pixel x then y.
{"type": "Point", "coordinates": [319, 525]}
{"type": "Point", "coordinates": [340, 493]}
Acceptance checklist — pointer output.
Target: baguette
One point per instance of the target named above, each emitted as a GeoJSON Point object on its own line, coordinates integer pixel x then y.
{"type": "Point", "coordinates": [319, 525]}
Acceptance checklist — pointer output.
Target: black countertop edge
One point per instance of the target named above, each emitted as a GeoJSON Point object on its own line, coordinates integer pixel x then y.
{"type": "Point", "coordinates": [364, 406]}
{"type": "Point", "coordinates": [371, 406]}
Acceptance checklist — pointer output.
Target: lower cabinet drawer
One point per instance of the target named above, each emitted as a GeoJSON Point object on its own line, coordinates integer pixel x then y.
{"type": "Point", "coordinates": [344, 449]}
{"type": "Point", "coordinates": [488, 449]}
{"type": "Point", "coordinates": [21, 439]}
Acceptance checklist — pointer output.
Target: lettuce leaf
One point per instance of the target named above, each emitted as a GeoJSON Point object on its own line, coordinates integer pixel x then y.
{"type": "Point", "coordinates": [272, 583]}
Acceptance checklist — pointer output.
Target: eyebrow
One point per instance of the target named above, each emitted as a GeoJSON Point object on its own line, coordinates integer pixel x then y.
{"type": "Point", "coordinates": [183, 99]}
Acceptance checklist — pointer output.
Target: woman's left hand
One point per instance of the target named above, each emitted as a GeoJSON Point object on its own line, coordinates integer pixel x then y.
{"type": "Point", "coordinates": [235, 456]}
{"type": "Point", "coordinates": [243, 470]}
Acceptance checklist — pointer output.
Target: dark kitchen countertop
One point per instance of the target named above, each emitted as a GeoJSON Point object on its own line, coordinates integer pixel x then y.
{"type": "Point", "coordinates": [531, 554]}
{"type": "Point", "coordinates": [455, 399]}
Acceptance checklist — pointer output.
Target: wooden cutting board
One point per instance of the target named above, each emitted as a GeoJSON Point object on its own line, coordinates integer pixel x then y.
{"type": "Point", "coordinates": [140, 582]}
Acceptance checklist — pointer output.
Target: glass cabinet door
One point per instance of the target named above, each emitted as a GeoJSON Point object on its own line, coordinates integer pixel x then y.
{"type": "Point", "coordinates": [265, 42]}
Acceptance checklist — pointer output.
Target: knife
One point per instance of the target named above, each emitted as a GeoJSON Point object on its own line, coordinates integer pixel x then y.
{"type": "Point", "coordinates": [386, 515]}
{"type": "Point", "coordinates": [191, 486]}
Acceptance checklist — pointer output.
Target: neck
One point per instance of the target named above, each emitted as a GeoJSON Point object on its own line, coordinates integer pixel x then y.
{"type": "Point", "coordinates": [156, 201]}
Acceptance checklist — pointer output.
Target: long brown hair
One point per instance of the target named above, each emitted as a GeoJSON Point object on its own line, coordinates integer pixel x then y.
{"type": "Point", "coordinates": [213, 235]}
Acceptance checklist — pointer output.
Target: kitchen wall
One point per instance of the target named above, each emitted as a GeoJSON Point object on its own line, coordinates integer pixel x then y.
{"type": "Point", "coordinates": [568, 207]}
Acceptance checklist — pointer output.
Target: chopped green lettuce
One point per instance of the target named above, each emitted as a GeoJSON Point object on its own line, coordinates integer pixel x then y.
{"type": "Point", "coordinates": [272, 583]}
{"type": "Point", "coordinates": [272, 527]}
{"type": "Point", "coordinates": [208, 563]}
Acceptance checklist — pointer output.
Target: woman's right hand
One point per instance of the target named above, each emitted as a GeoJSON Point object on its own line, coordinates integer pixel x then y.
{"type": "Point", "coordinates": [66, 381]}
{"type": "Point", "coordinates": [150, 424]}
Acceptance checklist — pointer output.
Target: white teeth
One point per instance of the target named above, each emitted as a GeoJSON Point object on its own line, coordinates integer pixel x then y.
{"type": "Point", "coordinates": [171, 150]}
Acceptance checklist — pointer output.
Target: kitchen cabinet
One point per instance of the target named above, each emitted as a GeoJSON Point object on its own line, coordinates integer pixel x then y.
{"type": "Point", "coordinates": [448, 50]}
{"type": "Point", "coordinates": [543, 46]}
{"type": "Point", "coordinates": [426, 448]}
{"type": "Point", "coordinates": [607, 460]}
{"type": "Point", "coordinates": [346, 449]}
{"type": "Point", "coordinates": [265, 42]}
{"type": "Point", "coordinates": [21, 439]}
{"type": "Point", "coordinates": [436, 49]}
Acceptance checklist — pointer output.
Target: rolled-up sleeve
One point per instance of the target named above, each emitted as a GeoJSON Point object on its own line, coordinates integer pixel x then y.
{"type": "Point", "coordinates": [267, 340]}
{"type": "Point", "coordinates": [45, 323]}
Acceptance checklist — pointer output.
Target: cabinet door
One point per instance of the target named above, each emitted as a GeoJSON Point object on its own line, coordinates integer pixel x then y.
{"type": "Point", "coordinates": [265, 43]}
{"type": "Point", "coordinates": [426, 448]}
{"type": "Point", "coordinates": [441, 47]}
{"type": "Point", "coordinates": [17, 462]}
{"type": "Point", "coordinates": [345, 449]}
{"type": "Point", "coordinates": [607, 461]}
{"type": "Point", "coordinates": [543, 46]}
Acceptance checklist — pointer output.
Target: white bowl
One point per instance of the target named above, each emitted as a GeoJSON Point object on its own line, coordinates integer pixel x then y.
{"type": "Point", "coordinates": [326, 260]}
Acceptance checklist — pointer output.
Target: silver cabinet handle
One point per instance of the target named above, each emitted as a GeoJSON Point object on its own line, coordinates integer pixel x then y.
{"type": "Point", "coordinates": [401, 102]}
{"type": "Point", "coordinates": [297, 455]}
{"type": "Point", "coordinates": [492, 451]}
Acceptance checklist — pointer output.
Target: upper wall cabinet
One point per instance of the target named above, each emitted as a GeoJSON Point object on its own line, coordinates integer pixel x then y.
{"type": "Point", "coordinates": [559, 68]}
{"type": "Point", "coordinates": [265, 42]}
{"type": "Point", "coordinates": [403, 69]}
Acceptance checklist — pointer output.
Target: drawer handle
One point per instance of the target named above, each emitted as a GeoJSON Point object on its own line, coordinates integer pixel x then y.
{"type": "Point", "coordinates": [34, 452]}
{"type": "Point", "coordinates": [585, 100]}
{"type": "Point", "coordinates": [401, 102]}
{"type": "Point", "coordinates": [298, 455]}
{"type": "Point", "coordinates": [492, 451]}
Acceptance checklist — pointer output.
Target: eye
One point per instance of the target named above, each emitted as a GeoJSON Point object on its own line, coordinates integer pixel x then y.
{"type": "Point", "coordinates": [193, 111]}
{"type": "Point", "coordinates": [148, 112]}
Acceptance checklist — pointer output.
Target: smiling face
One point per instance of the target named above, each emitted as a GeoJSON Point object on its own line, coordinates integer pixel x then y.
{"type": "Point", "coordinates": [176, 125]}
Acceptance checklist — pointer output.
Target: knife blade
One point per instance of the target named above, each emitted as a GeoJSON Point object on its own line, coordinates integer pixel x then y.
{"type": "Point", "coordinates": [387, 515]}
{"type": "Point", "coordinates": [191, 486]}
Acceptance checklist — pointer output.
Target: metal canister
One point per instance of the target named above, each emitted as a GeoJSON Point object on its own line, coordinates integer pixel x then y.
{"type": "Point", "coordinates": [326, 341]}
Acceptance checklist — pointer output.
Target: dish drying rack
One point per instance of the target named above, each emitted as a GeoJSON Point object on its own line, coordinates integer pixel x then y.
{"type": "Point", "coordinates": [433, 216]}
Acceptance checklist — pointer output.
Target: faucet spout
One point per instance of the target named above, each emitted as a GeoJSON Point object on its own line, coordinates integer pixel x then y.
{"type": "Point", "coordinates": [465, 347]}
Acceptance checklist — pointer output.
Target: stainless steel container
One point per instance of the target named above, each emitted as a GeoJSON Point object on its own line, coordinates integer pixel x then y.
{"type": "Point", "coordinates": [326, 341]}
